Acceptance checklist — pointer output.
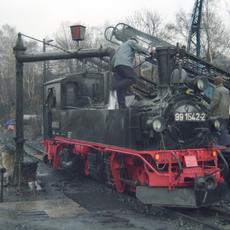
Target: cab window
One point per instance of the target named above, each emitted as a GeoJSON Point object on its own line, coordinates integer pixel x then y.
{"type": "Point", "coordinates": [51, 98]}
{"type": "Point", "coordinates": [71, 94]}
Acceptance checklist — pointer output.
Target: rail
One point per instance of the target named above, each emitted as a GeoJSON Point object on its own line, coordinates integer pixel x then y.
{"type": "Point", "coordinates": [210, 217]}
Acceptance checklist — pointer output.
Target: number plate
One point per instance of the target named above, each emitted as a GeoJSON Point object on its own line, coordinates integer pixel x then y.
{"type": "Point", "coordinates": [190, 117]}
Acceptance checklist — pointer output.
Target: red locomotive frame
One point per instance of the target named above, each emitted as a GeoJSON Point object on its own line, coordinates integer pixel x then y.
{"type": "Point", "coordinates": [182, 167]}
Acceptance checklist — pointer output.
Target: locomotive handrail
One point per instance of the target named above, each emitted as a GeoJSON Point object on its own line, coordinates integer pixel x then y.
{"type": "Point", "coordinates": [122, 32]}
{"type": "Point", "coordinates": [198, 66]}
{"type": "Point", "coordinates": [122, 150]}
{"type": "Point", "coordinates": [107, 148]}
{"type": "Point", "coordinates": [111, 35]}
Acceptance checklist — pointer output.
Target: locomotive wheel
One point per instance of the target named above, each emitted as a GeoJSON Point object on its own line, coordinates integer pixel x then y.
{"type": "Point", "coordinates": [116, 167]}
{"type": "Point", "coordinates": [107, 173]}
{"type": "Point", "coordinates": [96, 165]}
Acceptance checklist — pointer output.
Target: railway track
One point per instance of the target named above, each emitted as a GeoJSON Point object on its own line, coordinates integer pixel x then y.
{"type": "Point", "coordinates": [223, 214]}
{"type": "Point", "coordinates": [208, 218]}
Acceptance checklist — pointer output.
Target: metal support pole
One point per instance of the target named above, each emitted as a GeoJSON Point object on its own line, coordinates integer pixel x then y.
{"type": "Point", "coordinates": [2, 171]}
{"type": "Point", "coordinates": [19, 139]}
{"type": "Point", "coordinates": [44, 118]}
{"type": "Point", "coordinates": [19, 123]}
{"type": "Point", "coordinates": [43, 92]}
{"type": "Point", "coordinates": [44, 62]}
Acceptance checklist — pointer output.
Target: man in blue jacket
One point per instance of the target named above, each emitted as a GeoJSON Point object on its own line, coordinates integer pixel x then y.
{"type": "Point", "coordinates": [123, 68]}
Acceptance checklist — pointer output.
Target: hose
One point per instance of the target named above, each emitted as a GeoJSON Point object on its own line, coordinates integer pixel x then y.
{"type": "Point", "coordinates": [226, 166]}
{"type": "Point", "coordinates": [179, 164]}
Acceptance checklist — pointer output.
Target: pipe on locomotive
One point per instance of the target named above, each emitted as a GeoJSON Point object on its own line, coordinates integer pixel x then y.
{"type": "Point", "coordinates": [166, 64]}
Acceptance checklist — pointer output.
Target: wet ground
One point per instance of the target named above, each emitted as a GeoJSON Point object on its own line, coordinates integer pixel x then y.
{"type": "Point", "coordinates": [69, 201]}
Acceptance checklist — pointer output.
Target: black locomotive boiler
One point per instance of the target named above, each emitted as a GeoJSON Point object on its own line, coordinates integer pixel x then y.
{"type": "Point", "coordinates": [161, 147]}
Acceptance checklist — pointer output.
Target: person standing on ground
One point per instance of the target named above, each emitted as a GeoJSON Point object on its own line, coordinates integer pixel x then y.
{"type": "Point", "coordinates": [123, 67]}
{"type": "Point", "coordinates": [219, 107]}
{"type": "Point", "coordinates": [8, 152]}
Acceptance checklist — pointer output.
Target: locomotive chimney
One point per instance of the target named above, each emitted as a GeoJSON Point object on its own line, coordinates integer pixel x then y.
{"type": "Point", "coordinates": [165, 59]}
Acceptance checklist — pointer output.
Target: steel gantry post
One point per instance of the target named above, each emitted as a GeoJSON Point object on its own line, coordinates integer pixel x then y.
{"type": "Point", "coordinates": [193, 44]}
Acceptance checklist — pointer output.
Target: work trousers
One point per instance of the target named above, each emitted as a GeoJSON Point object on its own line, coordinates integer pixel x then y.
{"type": "Point", "coordinates": [224, 137]}
{"type": "Point", "coordinates": [8, 164]}
{"type": "Point", "coordinates": [124, 77]}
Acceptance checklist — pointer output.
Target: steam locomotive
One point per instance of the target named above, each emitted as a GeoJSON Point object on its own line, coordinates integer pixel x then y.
{"type": "Point", "coordinates": [161, 147]}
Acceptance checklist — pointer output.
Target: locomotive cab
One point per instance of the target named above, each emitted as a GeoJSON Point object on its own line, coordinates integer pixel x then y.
{"type": "Point", "coordinates": [78, 90]}
{"type": "Point", "coordinates": [77, 107]}
{"type": "Point", "coordinates": [73, 91]}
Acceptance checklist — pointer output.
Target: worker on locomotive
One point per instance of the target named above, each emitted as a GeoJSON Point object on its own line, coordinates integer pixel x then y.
{"type": "Point", "coordinates": [123, 61]}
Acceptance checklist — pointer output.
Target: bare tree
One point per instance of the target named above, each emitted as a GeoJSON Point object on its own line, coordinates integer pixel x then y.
{"type": "Point", "coordinates": [178, 31]}
{"type": "Point", "coordinates": [149, 22]}
{"type": "Point", "coordinates": [214, 38]}
{"type": "Point", "coordinates": [214, 35]}
{"type": "Point", "coordinates": [7, 68]}
{"type": "Point", "coordinates": [32, 77]}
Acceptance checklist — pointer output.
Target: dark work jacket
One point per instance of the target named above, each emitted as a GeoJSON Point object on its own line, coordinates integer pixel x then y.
{"type": "Point", "coordinates": [220, 102]}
